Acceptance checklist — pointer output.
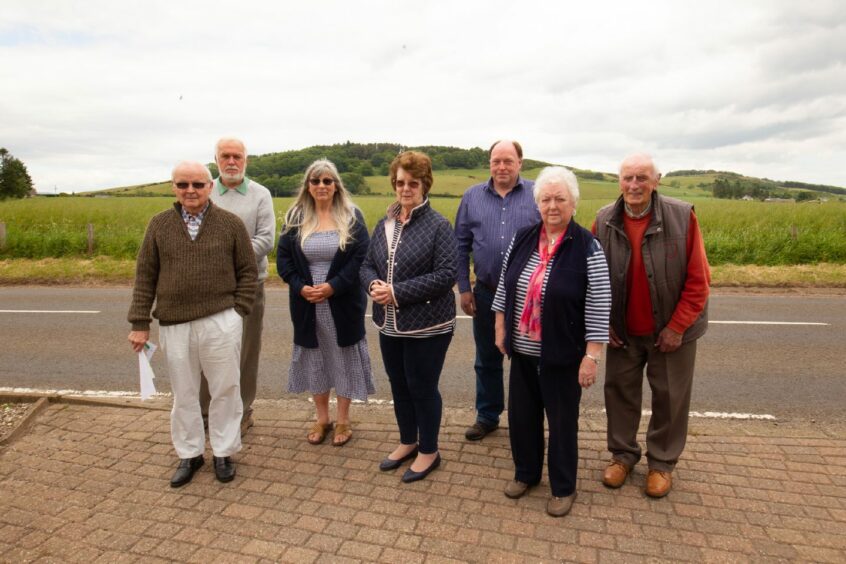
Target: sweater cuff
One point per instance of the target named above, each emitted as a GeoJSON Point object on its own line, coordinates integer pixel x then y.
{"type": "Point", "coordinates": [141, 326]}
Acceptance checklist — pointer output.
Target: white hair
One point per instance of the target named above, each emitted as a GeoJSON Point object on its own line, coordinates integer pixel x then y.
{"type": "Point", "coordinates": [191, 164]}
{"type": "Point", "coordinates": [644, 158]}
{"type": "Point", "coordinates": [223, 140]}
{"type": "Point", "coordinates": [557, 175]}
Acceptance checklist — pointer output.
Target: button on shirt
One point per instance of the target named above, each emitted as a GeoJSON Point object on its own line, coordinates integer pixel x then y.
{"type": "Point", "coordinates": [484, 226]}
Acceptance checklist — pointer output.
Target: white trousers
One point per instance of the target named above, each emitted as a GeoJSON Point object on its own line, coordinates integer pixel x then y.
{"type": "Point", "coordinates": [212, 345]}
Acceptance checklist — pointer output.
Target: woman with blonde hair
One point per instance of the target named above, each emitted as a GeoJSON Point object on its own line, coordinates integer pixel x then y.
{"type": "Point", "coordinates": [322, 246]}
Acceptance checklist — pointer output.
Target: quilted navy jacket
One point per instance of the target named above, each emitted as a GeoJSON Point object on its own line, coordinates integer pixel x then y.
{"type": "Point", "coordinates": [423, 273]}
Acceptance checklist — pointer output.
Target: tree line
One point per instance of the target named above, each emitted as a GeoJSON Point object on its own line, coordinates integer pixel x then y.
{"type": "Point", "coordinates": [282, 172]}
{"type": "Point", "coordinates": [740, 187]}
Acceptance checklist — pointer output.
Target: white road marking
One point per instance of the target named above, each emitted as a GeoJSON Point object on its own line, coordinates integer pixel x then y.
{"type": "Point", "coordinates": [375, 401]}
{"type": "Point", "coordinates": [720, 322]}
{"type": "Point", "coordinates": [48, 311]}
{"type": "Point", "coordinates": [769, 323]}
{"type": "Point", "coordinates": [721, 415]}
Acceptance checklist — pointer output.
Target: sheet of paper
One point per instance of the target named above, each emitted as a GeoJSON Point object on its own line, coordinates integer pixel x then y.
{"type": "Point", "coordinates": [148, 388]}
{"type": "Point", "coordinates": [149, 348]}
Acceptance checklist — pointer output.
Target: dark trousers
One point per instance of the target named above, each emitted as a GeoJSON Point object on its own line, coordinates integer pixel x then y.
{"type": "Point", "coordinates": [530, 392]}
{"type": "Point", "coordinates": [490, 393]}
{"type": "Point", "coordinates": [414, 368]}
{"type": "Point", "coordinates": [670, 377]}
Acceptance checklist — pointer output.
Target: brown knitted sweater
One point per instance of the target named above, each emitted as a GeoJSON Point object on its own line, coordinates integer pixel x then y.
{"type": "Point", "coordinates": [193, 279]}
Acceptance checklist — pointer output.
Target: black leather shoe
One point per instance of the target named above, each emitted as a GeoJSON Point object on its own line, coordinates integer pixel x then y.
{"type": "Point", "coordinates": [185, 470]}
{"type": "Point", "coordinates": [479, 430]}
{"type": "Point", "coordinates": [391, 464]}
{"type": "Point", "coordinates": [224, 468]}
{"type": "Point", "coordinates": [412, 476]}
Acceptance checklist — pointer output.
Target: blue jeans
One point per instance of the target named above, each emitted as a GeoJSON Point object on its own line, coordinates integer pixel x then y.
{"type": "Point", "coordinates": [490, 394]}
{"type": "Point", "coordinates": [414, 369]}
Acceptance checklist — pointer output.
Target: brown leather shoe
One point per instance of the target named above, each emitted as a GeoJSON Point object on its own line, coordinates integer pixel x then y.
{"type": "Point", "coordinates": [615, 474]}
{"type": "Point", "coordinates": [658, 483]}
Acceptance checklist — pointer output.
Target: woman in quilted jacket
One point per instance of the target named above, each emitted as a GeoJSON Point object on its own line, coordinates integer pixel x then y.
{"type": "Point", "coordinates": [409, 271]}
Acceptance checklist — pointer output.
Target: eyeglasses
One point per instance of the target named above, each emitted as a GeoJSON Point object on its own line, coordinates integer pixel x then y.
{"type": "Point", "coordinates": [194, 185]}
{"type": "Point", "coordinates": [318, 181]}
{"type": "Point", "coordinates": [413, 184]}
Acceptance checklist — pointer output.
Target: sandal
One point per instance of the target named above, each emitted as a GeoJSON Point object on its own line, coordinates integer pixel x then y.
{"type": "Point", "coordinates": [343, 431]}
{"type": "Point", "coordinates": [319, 429]}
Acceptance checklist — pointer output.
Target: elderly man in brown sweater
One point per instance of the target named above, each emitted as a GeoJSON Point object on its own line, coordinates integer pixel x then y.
{"type": "Point", "coordinates": [197, 264]}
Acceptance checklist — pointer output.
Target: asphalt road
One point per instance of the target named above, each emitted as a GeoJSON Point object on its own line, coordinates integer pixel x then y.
{"type": "Point", "coordinates": [788, 371]}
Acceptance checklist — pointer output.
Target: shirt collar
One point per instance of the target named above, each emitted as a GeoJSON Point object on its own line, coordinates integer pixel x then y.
{"type": "Point", "coordinates": [199, 217]}
{"type": "Point", "coordinates": [518, 186]}
{"type": "Point", "coordinates": [223, 189]}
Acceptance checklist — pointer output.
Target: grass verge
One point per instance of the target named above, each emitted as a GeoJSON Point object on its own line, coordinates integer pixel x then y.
{"type": "Point", "coordinates": [110, 271]}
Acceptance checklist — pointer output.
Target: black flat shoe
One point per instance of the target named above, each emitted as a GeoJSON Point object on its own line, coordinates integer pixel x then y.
{"type": "Point", "coordinates": [391, 464]}
{"type": "Point", "coordinates": [224, 468]}
{"type": "Point", "coordinates": [412, 476]}
{"type": "Point", "coordinates": [185, 470]}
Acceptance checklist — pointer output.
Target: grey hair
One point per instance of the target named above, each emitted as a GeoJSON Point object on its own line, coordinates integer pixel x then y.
{"type": "Point", "coordinates": [642, 158]}
{"type": "Point", "coordinates": [182, 164]}
{"type": "Point", "coordinates": [223, 140]}
{"type": "Point", "coordinates": [302, 214]}
{"type": "Point", "coordinates": [557, 175]}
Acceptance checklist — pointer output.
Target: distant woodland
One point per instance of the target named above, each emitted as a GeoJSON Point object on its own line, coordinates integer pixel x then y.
{"type": "Point", "coordinates": [282, 172]}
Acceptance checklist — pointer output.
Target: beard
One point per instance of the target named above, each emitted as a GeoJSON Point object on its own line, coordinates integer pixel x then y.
{"type": "Point", "coordinates": [232, 177]}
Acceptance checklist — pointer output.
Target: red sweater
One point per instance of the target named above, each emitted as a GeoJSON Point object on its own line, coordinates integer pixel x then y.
{"type": "Point", "coordinates": [639, 319]}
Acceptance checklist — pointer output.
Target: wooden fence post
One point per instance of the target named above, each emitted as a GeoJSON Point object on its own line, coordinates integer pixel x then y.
{"type": "Point", "coordinates": [2, 235]}
{"type": "Point", "coordinates": [90, 238]}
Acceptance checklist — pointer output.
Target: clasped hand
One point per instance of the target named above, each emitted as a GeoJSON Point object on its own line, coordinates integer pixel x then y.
{"type": "Point", "coordinates": [381, 293]}
{"type": "Point", "coordinates": [317, 294]}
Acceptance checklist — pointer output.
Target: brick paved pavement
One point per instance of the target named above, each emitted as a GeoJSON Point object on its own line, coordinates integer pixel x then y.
{"type": "Point", "coordinates": [90, 483]}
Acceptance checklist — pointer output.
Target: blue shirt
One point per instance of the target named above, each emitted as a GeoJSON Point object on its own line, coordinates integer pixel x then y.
{"type": "Point", "coordinates": [485, 224]}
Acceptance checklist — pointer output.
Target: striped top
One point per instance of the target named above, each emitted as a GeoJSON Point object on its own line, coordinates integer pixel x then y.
{"type": "Point", "coordinates": [390, 328]}
{"type": "Point", "coordinates": [597, 299]}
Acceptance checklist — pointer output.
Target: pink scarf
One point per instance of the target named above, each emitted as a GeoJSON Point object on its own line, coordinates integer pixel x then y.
{"type": "Point", "coordinates": [530, 320]}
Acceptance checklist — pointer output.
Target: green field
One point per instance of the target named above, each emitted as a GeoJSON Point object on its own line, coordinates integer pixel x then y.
{"type": "Point", "coordinates": [736, 232]}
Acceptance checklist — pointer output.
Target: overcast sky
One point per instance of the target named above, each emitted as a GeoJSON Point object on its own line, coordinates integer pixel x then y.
{"type": "Point", "coordinates": [98, 94]}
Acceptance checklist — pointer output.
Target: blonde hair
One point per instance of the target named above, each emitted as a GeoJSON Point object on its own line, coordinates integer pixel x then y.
{"type": "Point", "coordinates": [302, 215]}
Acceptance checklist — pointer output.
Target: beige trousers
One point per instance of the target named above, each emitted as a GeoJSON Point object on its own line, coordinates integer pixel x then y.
{"type": "Point", "coordinates": [250, 351]}
{"type": "Point", "coordinates": [212, 345]}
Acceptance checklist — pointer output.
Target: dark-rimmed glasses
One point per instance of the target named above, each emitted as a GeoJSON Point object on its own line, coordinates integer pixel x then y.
{"type": "Point", "coordinates": [318, 181]}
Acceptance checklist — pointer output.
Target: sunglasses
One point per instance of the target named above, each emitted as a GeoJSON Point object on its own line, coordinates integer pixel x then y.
{"type": "Point", "coordinates": [194, 185]}
{"type": "Point", "coordinates": [317, 181]}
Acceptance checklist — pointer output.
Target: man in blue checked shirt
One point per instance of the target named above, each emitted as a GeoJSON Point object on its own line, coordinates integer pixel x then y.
{"type": "Point", "coordinates": [488, 216]}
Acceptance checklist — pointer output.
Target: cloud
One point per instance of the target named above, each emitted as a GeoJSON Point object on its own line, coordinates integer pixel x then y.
{"type": "Point", "coordinates": [116, 93]}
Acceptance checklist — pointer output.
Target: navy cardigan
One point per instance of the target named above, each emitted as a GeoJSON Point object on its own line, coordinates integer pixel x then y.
{"type": "Point", "coordinates": [563, 315]}
{"type": "Point", "coordinates": [349, 301]}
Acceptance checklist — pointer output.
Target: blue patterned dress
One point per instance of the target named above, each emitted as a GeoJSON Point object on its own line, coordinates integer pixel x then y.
{"type": "Point", "coordinates": [318, 370]}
